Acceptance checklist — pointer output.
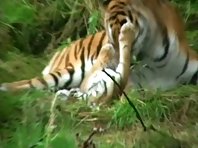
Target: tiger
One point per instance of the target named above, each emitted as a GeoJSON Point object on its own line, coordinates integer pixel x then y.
{"type": "Point", "coordinates": [97, 87]}
{"type": "Point", "coordinates": [96, 84]}
{"type": "Point", "coordinates": [165, 60]}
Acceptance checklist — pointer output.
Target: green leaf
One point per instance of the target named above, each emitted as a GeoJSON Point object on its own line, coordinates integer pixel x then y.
{"type": "Point", "coordinates": [17, 12]}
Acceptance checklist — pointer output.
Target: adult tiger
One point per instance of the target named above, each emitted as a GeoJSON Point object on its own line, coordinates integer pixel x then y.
{"type": "Point", "coordinates": [95, 85]}
{"type": "Point", "coordinates": [166, 60]}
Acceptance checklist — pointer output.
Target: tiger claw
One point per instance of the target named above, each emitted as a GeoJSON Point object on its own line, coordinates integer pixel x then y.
{"type": "Point", "coordinates": [63, 94]}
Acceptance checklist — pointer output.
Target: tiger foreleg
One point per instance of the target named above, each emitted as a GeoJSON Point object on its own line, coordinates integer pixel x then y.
{"type": "Point", "coordinates": [126, 38]}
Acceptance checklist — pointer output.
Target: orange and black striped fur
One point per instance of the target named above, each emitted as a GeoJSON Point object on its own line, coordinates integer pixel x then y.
{"type": "Point", "coordinates": [166, 60]}
{"type": "Point", "coordinates": [68, 67]}
{"type": "Point", "coordinates": [160, 44]}
{"type": "Point", "coordinates": [97, 86]}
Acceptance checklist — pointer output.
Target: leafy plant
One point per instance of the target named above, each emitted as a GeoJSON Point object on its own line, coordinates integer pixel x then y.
{"type": "Point", "coordinates": [34, 27]}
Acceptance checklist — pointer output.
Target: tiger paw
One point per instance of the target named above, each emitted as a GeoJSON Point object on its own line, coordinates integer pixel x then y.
{"type": "Point", "coordinates": [63, 94]}
{"type": "Point", "coordinates": [127, 32]}
{"type": "Point", "coordinates": [108, 47]}
{"type": "Point", "coordinates": [77, 94]}
{"type": "Point", "coordinates": [107, 52]}
{"type": "Point", "coordinates": [74, 93]}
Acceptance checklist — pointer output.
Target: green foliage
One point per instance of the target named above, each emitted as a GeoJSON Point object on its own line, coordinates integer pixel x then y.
{"type": "Point", "coordinates": [155, 109]}
{"type": "Point", "coordinates": [63, 139]}
{"type": "Point", "coordinates": [188, 8]}
{"type": "Point", "coordinates": [193, 39]}
{"type": "Point", "coordinates": [156, 139]}
{"type": "Point", "coordinates": [17, 12]}
{"type": "Point", "coordinates": [158, 106]}
{"type": "Point", "coordinates": [94, 22]}
{"type": "Point", "coordinates": [36, 26]}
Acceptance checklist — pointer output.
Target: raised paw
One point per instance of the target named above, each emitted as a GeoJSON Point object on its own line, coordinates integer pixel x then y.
{"type": "Point", "coordinates": [107, 46]}
{"type": "Point", "coordinates": [107, 50]}
{"type": "Point", "coordinates": [106, 54]}
{"type": "Point", "coordinates": [127, 31]}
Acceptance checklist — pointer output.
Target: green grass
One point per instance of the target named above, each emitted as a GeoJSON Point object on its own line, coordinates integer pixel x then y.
{"type": "Point", "coordinates": [174, 113]}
